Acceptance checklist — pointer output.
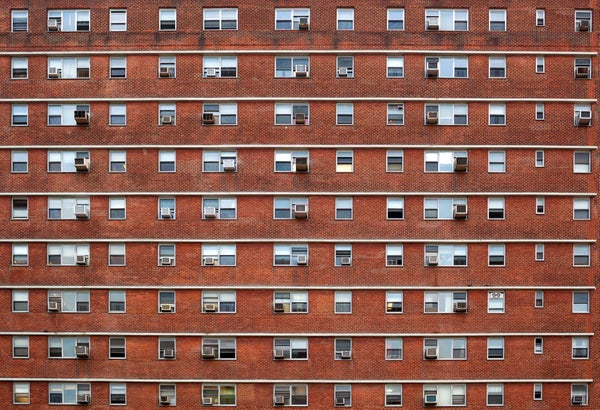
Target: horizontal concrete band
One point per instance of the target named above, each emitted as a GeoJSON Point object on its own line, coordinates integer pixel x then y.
{"type": "Point", "coordinates": [302, 147]}
{"type": "Point", "coordinates": [294, 240]}
{"type": "Point", "coordinates": [283, 287]}
{"type": "Point", "coordinates": [297, 193]}
{"type": "Point", "coordinates": [306, 335]}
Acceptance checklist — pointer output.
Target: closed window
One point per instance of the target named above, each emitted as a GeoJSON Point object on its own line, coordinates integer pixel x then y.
{"type": "Point", "coordinates": [345, 19]}
{"type": "Point", "coordinates": [68, 20]}
{"type": "Point", "coordinates": [395, 67]}
{"type": "Point", "coordinates": [20, 208]}
{"type": "Point", "coordinates": [118, 394]}
{"type": "Point", "coordinates": [20, 22]}
{"type": "Point", "coordinates": [446, 114]}
{"type": "Point", "coordinates": [445, 348]}
{"type": "Point", "coordinates": [20, 254]}
{"type": "Point", "coordinates": [497, 114]}
{"type": "Point", "coordinates": [64, 114]}
{"type": "Point", "coordinates": [290, 302]}
{"type": "Point", "coordinates": [395, 114]}
{"type": "Point", "coordinates": [220, 19]}
{"type": "Point", "coordinates": [292, 19]}
{"type": "Point", "coordinates": [219, 114]}
{"type": "Point", "coordinates": [495, 394]}
{"type": "Point", "coordinates": [20, 301]}
{"type": "Point", "coordinates": [291, 114]}
{"type": "Point", "coordinates": [393, 301]}
{"type": "Point", "coordinates": [68, 254]}
{"type": "Point", "coordinates": [445, 301]}
{"type": "Point", "coordinates": [290, 255]}
{"type": "Point", "coordinates": [344, 161]}
{"type": "Point", "coordinates": [496, 301]}
{"type": "Point", "coordinates": [581, 162]}
{"type": "Point", "coordinates": [220, 67]}
{"type": "Point", "coordinates": [583, 68]}
{"type": "Point", "coordinates": [343, 208]}
{"type": "Point", "coordinates": [581, 302]}
{"type": "Point", "coordinates": [219, 394]}
{"type": "Point", "coordinates": [65, 347]}
{"type": "Point", "coordinates": [496, 161]}
{"type": "Point", "coordinates": [395, 19]}
{"type": "Point", "coordinates": [116, 254]}
{"type": "Point", "coordinates": [496, 255]}
{"type": "Point", "coordinates": [581, 208]}
{"type": "Point", "coordinates": [395, 208]}
{"type": "Point", "coordinates": [539, 159]}
{"type": "Point", "coordinates": [579, 394]}
{"type": "Point", "coordinates": [539, 252]}
{"type": "Point", "coordinates": [540, 65]}
{"type": "Point", "coordinates": [495, 348]}
{"type": "Point", "coordinates": [167, 19]}
{"type": "Point", "coordinates": [166, 208]}
{"type": "Point", "coordinates": [537, 391]}
{"type": "Point", "coordinates": [497, 20]}
{"type": "Point", "coordinates": [218, 255]}
{"type": "Point", "coordinates": [393, 348]}
{"type": "Point", "coordinates": [117, 114]}
{"type": "Point", "coordinates": [19, 68]}
{"type": "Point", "coordinates": [343, 255]}
{"type": "Point", "coordinates": [345, 67]}
{"type": "Point", "coordinates": [393, 395]}
{"type": "Point", "coordinates": [540, 17]}
{"type": "Point", "coordinates": [116, 301]}
{"type": "Point", "coordinates": [219, 161]}
{"type": "Point", "coordinates": [118, 67]}
{"type": "Point", "coordinates": [394, 255]}
{"type": "Point", "coordinates": [394, 161]}
{"type": "Point", "coordinates": [117, 161]}
{"type": "Point", "coordinates": [445, 255]}
{"type": "Point", "coordinates": [447, 19]}
{"type": "Point", "coordinates": [20, 349]}
{"type": "Point", "coordinates": [581, 255]}
{"type": "Point", "coordinates": [218, 301]}
{"type": "Point", "coordinates": [343, 301]}
{"type": "Point", "coordinates": [219, 208]}
{"type": "Point", "coordinates": [496, 208]}
{"type": "Point", "coordinates": [21, 393]}
{"type": "Point", "coordinates": [116, 208]}
{"type": "Point", "coordinates": [118, 20]}
{"type": "Point", "coordinates": [116, 348]}
{"type": "Point", "coordinates": [68, 67]}
{"type": "Point", "coordinates": [20, 115]}
{"type": "Point", "coordinates": [68, 393]}
{"type": "Point", "coordinates": [344, 113]}
{"type": "Point", "coordinates": [19, 161]}
{"type": "Point", "coordinates": [538, 345]}
{"type": "Point", "coordinates": [290, 394]}
{"type": "Point", "coordinates": [497, 67]}
{"type": "Point", "coordinates": [581, 347]}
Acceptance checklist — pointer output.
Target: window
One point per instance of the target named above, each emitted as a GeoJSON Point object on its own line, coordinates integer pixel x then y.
{"type": "Point", "coordinates": [118, 394]}
{"type": "Point", "coordinates": [291, 349]}
{"type": "Point", "coordinates": [539, 252]}
{"type": "Point", "coordinates": [579, 394]}
{"type": "Point", "coordinates": [538, 345]}
{"type": "Point", "coordinates": [219, 161]}
{"type": "Point", "coordinates": [540, 65]}
{"type": "Point", "coordinates": [65, 347]}
{"type": "Point", "coordinates": [118, 67]}
{"type": "Point", "coordinates": [447, 19]}
{"type": "Point", "coordinates": [393, 348]}
{"type": "Point", "coordinates": [117, 161]}
{"type": "Point", "coordinates": [495, 394]}
{"type": "Point", "coordinates": [395, 19]}
{"type": "Point", "coordinates": [446, 114]}
{"type": "Point", "coordinates": [443, 161]}
{"type": "Point", "coordinates": [447, 67]}
{"type": "Point", "coordinates": [64, 114]}
{"type": "Point", "coordinates": [219, 208]}
{"type": "Point", "coordinates": [394, 161]}
{"type": "Point", "coordinates": [19, 162]}
{"type": "Point", "coordinates": [342, 395]}
{"type": "Point", "coordinates": [219, 394]}
{"type": "Point", "coordinates": [497, 114]}
{"type": "Point", "coordinates": [166, 161]}
{"type": "Point", "coordinates": [496, 161]}
{"type": "Point", "coordinates": [116, 301]}
{"type": "Point", "coordinates": [68, 208]}
{"type": "Point", "coordinates": [496, 301]}
{"type": "Point", "coordinates": [166, 255]}
{"type": "Point", "coordinates": [20, 301]}
{"type": "Point", "coordinates": [344, 113]}
{"type": "Point", "coordinates": [583, 68]}
{"type": "Point", "coordinates": [345, 67]}
{"type": "Point", "coordinates": [343, 301]}
{"type": "Point", "coordinates": [116, 208]}
{"type": "Point", "coordinates": [496, 255]}
{"type": "Point", "coordinates": [582, 116]}
{"type": "Point", "coordinates": [20, 347]}
{"type": "Point", "coordinates": [69, 301]}
{"type": "Point", "coordinates": [166, 67]}
{"type": "Point", "coordinates": [394, 255]}
{"type": "Point", "coordinates": [292, 19]}
{"type": "Point", "coordinates": [291, 114]}
{"type": "Point", "coordinates": [395, 208]}
{"type": "Point", "coordinates": [167, 394]}
{"type": "Point", "coordinates": [442, 208]}
{"type": "Point", "coordinates": [118, 21]}
{"type": "Point", "coordinates": [220, 67]}
{"type": "Point", "coordinates": [495, 208]}
{"type": "Point", "coordinates": [393, 301]}
{"type": "Point", "coordinates": [345, 19]}
{"type": "Point", "coordinates": [220, 19]}
{"type": "Point", "coordinates": [497, 20]}
{"type": "Point", "coordinates": [343, 255]}
{"type": "Point", "coordinates": [166, 208]}
{"type": "Point", "coordinates": [221, 255]}
{"type": "Point", "coordinates": [495, 348]}
{"type": "Point", "coordinates": [166, 348]}
{"type": "Point", "coordinates": [68, 393]}
{"type": "Point", "coordinates": [116, 254]}
{"type": "Point", "coordinates": [20, 254]}
{"type": "Point", "coordinates": [166, 114]}
{"type": "Point", "coordinates": [540, 17]}
{"type": "Point", "coordinates": [581, 208]}
{"type": "Point", "coordinates": [20, 208]}
{"type": "Point", "coordinates": [497, 67]}
{"type": "Point", "coordinates": [583, 20]}
{"type": "Point", "coordinates": [581, 162]}
{"type": "Point", "coordinates": [218, 301]}
{"type": "Point", "coordinates": [290, 302]}
{"type": "Point", "coordinates": [344, 161]}
{"type": "Point", "coordinates": [20, 393]}
{"type": "Point", "coordinates": [116, 348]}
{"type": "Point", "coordinates": [19, 68]}
{"type": "Point", "coordinates": [19, 115]}
{"type": "Point", "coordinates": [393, 395]}
{"type": "Point", "coordinates": [447, 255]}
{"type": "Point", "coordinates": [445, 301]}
{"type": "Point", "coordinates": [446, 394]}
{"type": "Point", "coordinates": [539, 159]}
{"type": "Point", "coordinates": [395, 114]}
{"type": "Point", "coordinates": [445, 348]}
{"type": "Point", "coordinates": [343, 348]}
{"type": "Point", "coordinates": [219, 114]}
{"type": "Point", "coordinates": [68, 20]}
{"type": "Point", "coordinates": [117, 114]}
{"type": "Point", "coordinates": [539, 299]}
{"type": "Point", "coordinates": [581, 255]}
{"type": "Point", "coordinates": [537, 391]}
{"type": "Point", "coordinates": [580, 347]}
{"type": "Point", "coordinates": [395, 67]}
{"type": "Point", "coordinates": [285, 208]}
{"type": "Point", "coordinates": [290, 255]}
{"type": "Point", "coordinates": [292, 161]}
{"type": "Point", "coordinates": [343, 208]}
{"type": "Point", "coordinates": [68, 67]}
{"type": "Point", "coordinates": [20, 22]}
{"type": "Point", "coordinates": [167, 19]}
{"type": "Point", "coordinates": [540, 205]}
{"type": "Point", "coordinates": [581, 302]}
{"type": "Point", "coordinates": [67, 254]}
{"type": "Point", "coordinates": [166, 301]}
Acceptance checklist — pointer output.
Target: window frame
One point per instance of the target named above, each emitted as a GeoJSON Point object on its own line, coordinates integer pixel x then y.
{"type": "Point", "coordinates": [580, 348]}
{"type": "Point", "coordinates": [20, 347]}
{"type": "Point", "coordinates": [20, 296]}
{"type": "Point", "coordinates": [580, 305]}
{"type": "Point", "coordinates": [283, 207]}
{"type": "Point", "coordinates": [538, 345]}
{"type": "Point", "coordinates": [115, 392]}
{"type": "Point", "coordinates": [344, 114]}
{"type": "Point", "coordinates": [220, 388]}
{"type": "Point", "coordinates": [540, 65]}
{"type": "Point", "coordinates": [223, 299]}
{"type": "Point", "coordinates": [21, 393]}
{"type": "Point", "coordinates": [345, 19]}
{"type": "Point", "coordinates": [167, 19]}
{"type": "Point", "coordinates": [291, 113]}
{"type": "Point", "coordinates": [19, 115]}
{"type": "Point", "coordinates": [395, 67]}
{"type": "Point", "coordinates": [224, 114]}
{"type": "Point", "coordinates": [580, 167]}
{"type": "Point", "coordinates": [57, 112]}
{"type": "Point", "coordinates": [291, 399]}
{"type": "Point", "coordinates": [497, 114]}
{"type": "Point", "coordinates": [494, 394]}
{"type": "Point", "coordinates": [293, 301]}
{"type": "Point", "coordinates": [117, 115]}
{"type": "Point", "coordinates": [285, 161]}
{"type": "Point", "coordinates": [497, 67]}
{"type": "Point", "coordinates": [495, 348]}
{"type": "Point", "coordinates": [394, 348]}
{"type": "Point", "coordinates": [498, 17]}
{"type": "Point", "coordinates": [448, 114]}
{"type": "Point", "coordinates": [19, 161]}
{"type": "Point", "coordinates": [540, 17]}
{"type": "Point", "coordinates": [443, 301]}
{"type": "Point", "coordinates": [390, 20]}
{"type": "Point", "coordinates": [19, 68]}
{"type": "Point", "coordinates": [209, 162]}
{"type": "Point", "coordinates": [167, 250]}
{"type": "Point", "coordinates": [66, 251]}
{"type": "Point", "coordinates": [116, 65]}
{"type": "Point", "coordinates": [341, 344]}
{"type": "Point", "coordinates": [581, 251]}
{"type": "Point", "coordinates": [116, 345]}
{"type": "Point", "coordinates": [448, 19]}
{"type": "Point", "coordinates": [225, 207]}
{"type": "Point", "coordinates": [18, 213]}
{"type": "Point", "coordinates": [496, 161]}
{"type": "Point", "coordinates": [344, 66]}
{"type": "Point", "coordinates": [454, 348]}
{"type": "Point", "coordinates": [393, 392]}
{"type": "Point", "coordinates": [218, 66]}
{"type": "Point", "coordinates": [394, 161]}
{"type": "Point", "coordinates": [166, 297]}
{"type": "Point", "coordinates": [344, 161]}
{"type": "Point", "coordinates": [540, 252]}
{"type": "Point", "coordinates": [449, 255]}
{"type": "Point", "coordinates": [226, 253]}
{"type": "Point", "coordinates": [78, 388]}
{"type": "Point", "coordinates": [79, 17]}
{"type": "Point", "coordinates": [496, 255]}
{"type": "Point", "coordinates": [581, 209]}
{"type": "Point", "coordinates": [294, 348]}
{"type": "Point", "coordinates": [20, 254]}
{"type": "Point", "coordinates": [344, 208]}
{"type": "Point", "coordinates": [114, 302]}
{"type": "Point", "coordinates": [15, 20]}
{"type": "Point", "coordinates": [496, 302]}
{"type": "Point", "coordinates": [394, 302]}
{"type": "Point", "coordinates": [79, 67]}
{"type": "Point", "coordinates": [342, 391]}
{"type": "Point", "coordinates": [581, 15]}
{"type": "Point", "coordinates": [221, 11]}
{"type": "Point", "coordinates": [116, 22]}
{"type": "Point", "coordinates": [343, 302]}
{"type": "Point", "coordinates": [295, 14]}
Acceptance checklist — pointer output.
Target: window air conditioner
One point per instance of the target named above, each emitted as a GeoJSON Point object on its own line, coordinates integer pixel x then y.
{"type": "Point", "coordinates": [208, 118]}
{"type": "Point", "coordinates": [346, 354]}
{"type": "Point", "coordinates": [300, 118]}
{"type": "Point", "coordinates": [210, 72]}
{"type": "Point", "coordinates": [164, 400]}
{"type": "Point", "coordinates": [582, 72]}
{"type": "Point", "coordinates": [166, 261]}
{"type": "Point", "coordinates": [165, 72]}
{"type": "Point", "coordinates": [166, 119]}
{"type": "Point", "coordinates": [432, 260]}
{"type": "Point", "coordinates": [303, 23]}
{"type": "Point", "coordinates": [583, 25]}
{"type": "Point", "coordinates": [167, 307]}
{"type": "Point", "coordinates": [300, 211]}
{"type": "Point", "coordinates": [208, 352]}
{"type": "Point", "coordinates": [301, 164]}
{"type": "Point", "coordinates": [210, 307]}
{"type": "Point", "coordinates": [433, 23]}
{"type": "Point", "coordinates": [302, 260]}
{"type": "Point", "coordinates": [83, 399]}
{"type": "Point", "coordinates": [53, 72]}
{"type": "Point", "coordinates": [165, 213]}
{"type": "Point", "coordinates": [82, 117]}
{"type": "Point", "coordinates": [459, 211]}
{"type": "Point", "coordinates": [279, 354]}
{"type": "Point", "coordinates": [82, 259]}
{"type": "Point", "coordinates": [343, 71]}
{"type": "Point", "coordinates": [432, 117]}
{"type": "Point", "coordinates": [207, 401]}
{"type": "Point", "coordinates": [577, 400]}
{"type": "Point", "coordinates": [340, 401]}
{"type": "Point", "coordinates": [461, 163]}
{"type": "Point", "coordinates": [210, 212]}
{"type": "Point", "coordinates": [460, 306]}
{"type": "Point", "coordinates": [82, 211]}
{"type": "Point", "coordinates": [229, 165]}
{"type": "Point", "coordinates": [53, 306]}
{"type": "Point", "coordinates": [52, 25]}
{"type": "Point", "coordinates": [82, 351]}
{"type": "Point", "coordinates": [431, 353]}
{"type": "Point", "coordinates": [279, 307]}
{"type": "Point", "coordinates": [279, 400]}
{"type": "Point", "coordinates": [430, 399]}
{"type": "Point", "coordinates": [345, 260]}
{"type": "Point", "coordinates": [169, 353]}
{"type": "Point", "coordinates": [82, 164]}
{"type": "Point", "coordinates": [301, 70]}
{"type": "Point", "coordinates": [211, 260]}
{"type": "Point", "coordinates": [584, 118]}
{"type": "Point", "coordinates": [433, 69]}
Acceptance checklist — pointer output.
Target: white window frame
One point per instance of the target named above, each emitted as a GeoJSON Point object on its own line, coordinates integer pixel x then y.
{"type": "Point", "coordinates": [167, 203]}
{"type": "Point", "coordinates": [167, 297]}
{"type": "Point", "coordinates": [117, 394]}
{"type": "Point", "coordinates": [294, 348]}
{"type": "Point", "coordinates": [118, 64]}
{"type": "Point", "coordinates": [496, 255]}
{"type": "Point", "coordinates": [294, 301]}
{"type": "Point", "coordinates": [344, 114]}
{"type": "Point", "coordinates": [64, 114]}
{"type": "Point", "coordinates": [497, 114]}
{"type": "Point", "coordinates": [168, 62]}
{"type": "Point", "coordinates": [167, 250]}
{"type": "Point", "coordinates": [394, 302]}
{"type": "Point", "coordinates": [577, 109]}
{"type": "Point", "coordinates": [118, 206]}
{"type": "Point", "coordinates": [436, 302]}
{"type": "Point", "coordinates": [540, 18]}
{"type": "Point", "coordinates": [344, 161]}
{"type": "Point", "coordinates": [225, 207]}
{"type": "Point", "coordinates": [447, 394]}
{"type": "Point", "coordinates": [497, 67]}
{"type": "Point", "coordinates": [496, 161]}
{"type": "Point", "coordinates": [496, 301]}
{"type": "Point", "coordinates": [116, 254]}
{"type": "Point", "coordinates": [581, 209]}
{"type": "Point", "coordinates": [344, 62]}
{"type": "Point", "coordinates": [75, 17]}
{"type": "Point", "coordinates": [212, 161]}
{"type": "Point", "coordinates": [448, 66]}
{"type": "Point", "coordinates": [538, 345]}
{"type": "Point", "coordinates": [580, 389]}
{"type": "Point", "coordinates": [448, 348]}
{"type": "Point", "coordinates": [219, 66]}
{"type": "Point", "coordinates": [579, 345]}
{"type": "Point", "coordinates": [21, 393]}
{"type": "Point", "coordinates": [223, 300]}
{"type": "Point", "coordinates": [395, 19]}
{"type": "Point", "coordinates": [61, 208]}
{"type": "Point", "coordinates": [289, 252]}
{"type": "Point", "coordinates": [167, 343]}
{"type": "Point", "coordinates": [583, 15]}
{"type": "Point", "coordinates": [20, 254]}
{"type": "Point", "coordinates": [297, 394]}
{"type": "Point", "coordinates": [288, 113]}
{"type": "Point", "coordinates": [393, 395]}
{"type": "Point", "coordinates": [583, 62]}
{"type": "Point", "coordinates": [581, 302]}
{"type": "Point", "coordinates": [20, 297]}
{"type": "Point", "coordinates": [169, 390]}
{"type": "Point", "coordinates": [222, 113]}
{"type": "Point", "coordinates": [394, 255]}
{"type": "Point", "coordinates": [342, 391]}
{"type": "Point", "coordinates": [16, 21]}
{"type": "Point", "coordinates": [167, 161]}
{"type": "Point", "coordinates": [495, 348]}
{"type": "Point", "coordinates": [117, 348]}
{"type": "Point", "coordinates": [394, 348]}
{"type": "Point", "coordinates": [343, 302]}
{"type": "Point", "coordinates": [288, 66]}
{"type": "Point", "coordinates": [497, 17]}
{"type": "Point", "coordinates": [218, 394]}
{"type": "Point", "coordinates": [496, 205]}
{"type": "Point", "coordinates": [395, 114]}
{"type": "Point", "coordinates": [441, 208]}
{"type": "Point", "coordinates": [71, 300]}
{"type": "Point", "coordinates": [447, 19]}
{"type": "Point", "coordinates": [116, 299]}
{"type": "Point", "coordinates": [117, 161]}
{"type": "Point", "coordinates": [538, 391]}
{"type": "Point", "coordinates": [494, 394]}
{"type": "Point", "coordinates": [20, 115]}
{"type": "Point", "coordinates": [18, 212]}
{"type": "Point", "coordinates": [289, 19]}
{"type": "Point", "coordinates": [19, 68]}
{"type": "Point", "coordinates": [20, 347]}
{"type": "Point", "coordinates": [167, 19]}
{"type": "Point", "coordinates": [345, 19]}
{"type": "Point", "coordinates": [67, 253]}
{"type": "Point", "coordinates": [67, 346]}
{"type": "Point", "coordinates": [225, 253]}
{"type": "Point", "coordinates": [343, 205]}
{"type": "Point", "coordinates": [19, 162]}
{"type": "Point", "coordinates": [395, 67]}
{"type": "Point", "coordinates": [167, 110]}
{"type": "Point", "coordinates": [70, 67]}
{"type": "Point", "coordinates": [341, 344]}
{"type": "Point", "coordinates": [117, 115]}
{"type": "Point", "coordinates": [223, 18]}
{"type": "Point", "coordinates": [283, 207]}
{"type": "Point", "coordinates": [342, 251]}
{"type": "Point", "coordinates": [448, 114]}
{"type": "Point", "coordinates": [581, 251]}
{"type": "Point", "coordinates": [394, 161]}
{"type": "Point", "coordinates": [285, 161]}
{"type": "Point", "coordinates": [540, 253]}
{"type": "Point", "coordinates": [394, 208]}
{"type": "Point", "coordinates": [540, 205]}
{"type": "Point", "coordinates": [118, 20]}
{"type": "Point", "coordinates": [449, 255]}
{"type": "Point", "coordinates": [74, 389]}
{"type": "Point", "coordinates": [540, 112]}
{"type": "Point", "coordinates": [540, 64]}
{"type": "Point", "coordinates": [582, 162]}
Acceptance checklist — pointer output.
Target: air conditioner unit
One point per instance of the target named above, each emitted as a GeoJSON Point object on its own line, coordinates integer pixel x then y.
{"type": "Point", "coordinates": [82, 164]}
{"type": "Point", "coordinates": [582, 72]}
{"type": "Point", "coordinates": [82, 351]}
{"type": "Point", "coordinates": [167, 307]}
{"type": "Point", "coordinates": [430, 399]}
{"type": "Point", "coordinates": [208, 118]}
{"type": "Point", "coordinates": [229, 165]}
{"type": "Point", "coordinates": [460, 306]}
{"type": "Point", "coordinates": [461, 163]}
{"type": "Point", "coordinates": [208, 352]}
{"type": "Point", "coordinates": [431, 353]}
{"type": "Point", "coordinates": [169, 353]}
{"type": "Point", "coordinates": [432, 117]}
{"type": "Point", "coordinates": [301, 70]}
{"type": "Point", "coordinates": [302, 260]}
{"type": "Point", "coordinates": [340, 401]}
{"type": "Point", "coordinates": [459, 211]}
{"type": "Point", "coordinates": [166, 119]}
{"type": "Point", "coordinates": [346, 354]}
{"type": "Point", "coordinates": [53, 306]}
{"type": "Point", "coordinates": [52, 25]}
{"type": "Point", "coordinates": [584, 118]}
{"type": "Point", "coordinates": [53, 72]}
{"type": "Point", "coordinates": [82, 211]}
{"type": "Point", "coordinates": [83, 399]}
{"type": "Point", "coordinates": [166, 261]}
{"type": "Point", "coordinates": [165, 213]}
{"type": "Point", "coordinates": [345, 260]}
{"type": "Point", "coordinates": [210, 307]}
{"type": "Point", "coordinates": [433, 69]}
{"type": "Point", "coordinates": [210, 72]}
{"type": "Point", "coordinates": [207, 401]}
{"type": "Point", "coordinates": [279, 307]}
{"type": "Point", "coordinates": [300, 210]}
{"type": "Point", "coordinates": [165, 72]}
{"type": "Point", "coordinates": [432, 260]}
{"type": "Point", "coordinates": [583, 25]}
{"type": "Point", "coordinates": [82, 117]}
{"type": "Point", "coordinates": [300, 118]}
{"type": "Point", "coordinates": [577, 400]}
{"type": "Point", "coordinates": [164, 400]}
{"type": "Point", "coordinates": [343, 71]}
{"type": "Point", "coordinates": [211, 260]}
{"type": "Point", "coordinates": [433, 23]}
{"type": "Point", "coordinates": [303, 23]}
{"type": "Point", "coordinates": [81, 259]}
{"type": "Point", "coordinates": [301, 164]}
{"type": "Point", "coordinates": [210, 212]}
{"type": "Point", "coordinates": [279, 354]}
